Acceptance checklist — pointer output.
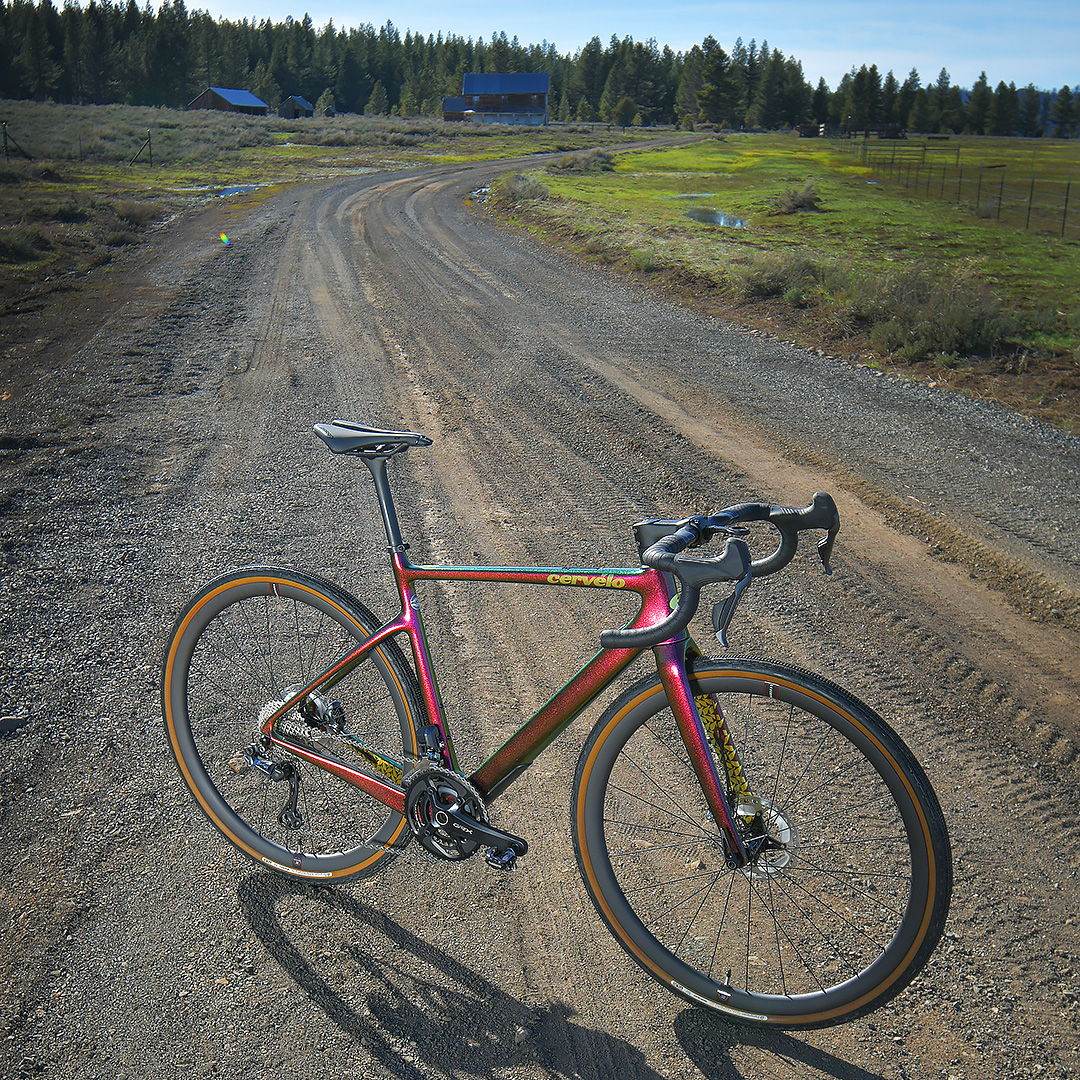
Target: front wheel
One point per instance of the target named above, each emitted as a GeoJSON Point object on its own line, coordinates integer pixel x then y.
{"type": "Point", "coordinates": [246, 644]}
{"type": "Point", "coordinates": [848, 894]}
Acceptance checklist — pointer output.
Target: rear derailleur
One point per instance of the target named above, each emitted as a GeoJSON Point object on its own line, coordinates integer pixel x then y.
{"type": "Point", "coordinates": [449, 819]}
{"type": "Point", "coordinates": [289, 816]}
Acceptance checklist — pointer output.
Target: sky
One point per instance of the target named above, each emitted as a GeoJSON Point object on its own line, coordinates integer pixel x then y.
{"type": "Point", "coordinates": [1021, 41]}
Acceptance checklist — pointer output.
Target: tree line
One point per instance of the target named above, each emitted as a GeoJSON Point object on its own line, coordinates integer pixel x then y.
{"type": "Point", "coordinates": [116, 52]}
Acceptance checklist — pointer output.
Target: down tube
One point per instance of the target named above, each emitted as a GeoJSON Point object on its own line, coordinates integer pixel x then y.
{"type": "Point", "coordinates": [522, 748]}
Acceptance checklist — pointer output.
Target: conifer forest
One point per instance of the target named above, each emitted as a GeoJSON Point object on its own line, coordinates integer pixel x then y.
{"type": "Point", "coordinates": [105, 52]}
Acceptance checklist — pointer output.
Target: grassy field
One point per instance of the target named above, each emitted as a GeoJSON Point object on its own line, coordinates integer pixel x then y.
{"type": "Point", "coordinates": [831, 252]}
{"type": "Point", "coordinates": [94, 185]}
{"type": "Point", "coordinates": [859, 253]}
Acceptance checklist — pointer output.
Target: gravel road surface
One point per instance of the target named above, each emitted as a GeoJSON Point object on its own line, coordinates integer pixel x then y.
{"type": "Point", "coordinates": [156, 429]}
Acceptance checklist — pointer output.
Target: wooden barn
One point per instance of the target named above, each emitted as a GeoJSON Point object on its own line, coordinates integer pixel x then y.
{"type": "Point", "coordinates": [296, 106]}
{"type": "Point", "coordinates": [241, 101]}
{"type": "Point", "coordinates": [496, 98]}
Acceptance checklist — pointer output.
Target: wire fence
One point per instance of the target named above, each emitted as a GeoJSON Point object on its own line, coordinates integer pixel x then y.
{"type": "Point", "coordinates": [1008, 193]}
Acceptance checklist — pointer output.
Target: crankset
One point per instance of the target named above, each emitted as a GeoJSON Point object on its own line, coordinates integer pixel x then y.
{"type": "Point", "coordinates": [449, 819]}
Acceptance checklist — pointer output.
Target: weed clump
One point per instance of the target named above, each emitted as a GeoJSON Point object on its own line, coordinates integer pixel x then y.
{"type": "Point", "coordinates": [138, 214]}
{"type": "Point", "coordinates": [800, 280]}
{"type": "Point", "coordinates": [643, 260]}
{"type": "Point", "coordinates": [518, 188]}
{"type": "Point", "coordinates": [586, 161]}
{"type": "Point", "coordinates": [921, 313]}
{"type": "Point", "coordinates": [22, 243]}
{"type": "Point", "coordinates": [799, 200]}
{"type": "Point", "coordinates": [917, 314]}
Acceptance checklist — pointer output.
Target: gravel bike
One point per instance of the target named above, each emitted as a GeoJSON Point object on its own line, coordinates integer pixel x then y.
{"type": "Point", "coordinates": [755, 837]}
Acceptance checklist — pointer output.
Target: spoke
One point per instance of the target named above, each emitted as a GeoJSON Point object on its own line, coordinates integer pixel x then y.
{"type": "Point", "coordinates": [672, 908]}
{"type": "Point", "coordinates": [778, 929]}
{"type": "Point", "coordinates": [842, 879]}
{"type": "Point", "coordinates": [830, 909]}
{"type": "Point", "coordinates": [829, 939]}
{"type": "Point", "coordinates": [651, 850]}
{"type": "Point", "coordinates": [721, 924]}
{"type": "Point", "coordinates": [657, 787]}
{"type": "Point", "coordinates": [783, 752]}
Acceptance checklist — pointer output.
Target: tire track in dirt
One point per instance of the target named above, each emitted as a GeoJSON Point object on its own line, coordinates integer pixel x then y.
{"type": "Point", "coordinates": [482, 366]}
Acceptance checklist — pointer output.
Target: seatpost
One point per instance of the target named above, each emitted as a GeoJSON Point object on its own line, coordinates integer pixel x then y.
{"type": "Point", "coordinates": [377, 465]}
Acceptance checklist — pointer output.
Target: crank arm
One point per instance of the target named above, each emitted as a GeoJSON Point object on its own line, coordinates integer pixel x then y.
{"type": "Point", "coordinates": [461, 825]}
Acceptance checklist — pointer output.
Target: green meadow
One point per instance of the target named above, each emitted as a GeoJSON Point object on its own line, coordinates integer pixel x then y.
{"type": "Point", "coordinates": [100, 176]}
{"type": "Point", "coordinates": [841, 252]}
{"type": "Point", "coordinates": [918, 254]}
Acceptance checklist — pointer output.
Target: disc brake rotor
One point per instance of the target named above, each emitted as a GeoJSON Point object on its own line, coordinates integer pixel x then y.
{"type": "Point", "coordinates": [775, 832]}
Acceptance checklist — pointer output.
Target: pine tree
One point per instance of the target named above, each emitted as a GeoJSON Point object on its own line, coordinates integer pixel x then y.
{"type": "Point", "coordinates": [767, 110]}
{"type": "Point", "coordinates": [686, 102]}
{"type": "Point", "coordinates": [906, 95]}
{"type": "Point", "coordinates": [1063, 114]}
{"type": "Point", "coordinates": [1031, 104]}
{"type": "Point", "coordinates": [920, 119]}
{"type": "Point", "coordinates": [624, 112]}
{"type": "Point", "coordinates": [1004, 115]}
{"type": "Point", "coordinates": [378, 104]}
{"type": "Point", "coordinates": [889, 90]}
{"type": "Point", "coordinates": [718, 95]}
{"type": "Point", "coordinates": [978, 106]}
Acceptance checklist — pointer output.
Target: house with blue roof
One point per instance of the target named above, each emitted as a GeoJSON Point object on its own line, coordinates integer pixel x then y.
{"type": "Point", "coordinates": [501, 98]}
{"type": "Point", "coordinates": [241, 101]}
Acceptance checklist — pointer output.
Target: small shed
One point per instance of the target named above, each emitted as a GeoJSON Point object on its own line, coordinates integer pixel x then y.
{"type": "Point", "coordinates": [296, 106]}
{"type": "Point", "coordinates": [453, 108]}
{"type": "Point", "coordinates": [225, 100]}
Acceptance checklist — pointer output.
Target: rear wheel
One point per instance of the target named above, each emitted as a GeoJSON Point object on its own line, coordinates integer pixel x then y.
{"type": "Point", "coordinates": [848, 895]}
{"type": "Point", "coordinates": [244, 645]}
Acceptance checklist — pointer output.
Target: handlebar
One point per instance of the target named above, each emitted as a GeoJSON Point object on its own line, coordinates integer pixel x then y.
{"type": "Point", "coordinates": [733, 564]}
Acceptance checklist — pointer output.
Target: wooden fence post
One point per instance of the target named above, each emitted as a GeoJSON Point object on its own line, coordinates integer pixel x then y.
{"type": "Point", "coordinates": [145, 146]}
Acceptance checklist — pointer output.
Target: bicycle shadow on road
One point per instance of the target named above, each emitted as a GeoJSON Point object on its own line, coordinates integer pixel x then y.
{"type": "Point", "coordinates": [406, 1001]}
{"type": "Point", "coordinates": [725, 1051]}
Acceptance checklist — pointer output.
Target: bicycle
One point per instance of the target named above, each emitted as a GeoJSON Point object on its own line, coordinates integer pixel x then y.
{"type": "Point", "coordinates": [756, 838]}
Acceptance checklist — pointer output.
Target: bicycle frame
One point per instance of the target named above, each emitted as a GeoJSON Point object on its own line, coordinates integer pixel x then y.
{"type": "Point", "coordinates": [500, 770]}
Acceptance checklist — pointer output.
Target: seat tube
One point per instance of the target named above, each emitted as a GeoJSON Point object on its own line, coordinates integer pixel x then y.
{"type": "Point", "coordinates": [671, 665]}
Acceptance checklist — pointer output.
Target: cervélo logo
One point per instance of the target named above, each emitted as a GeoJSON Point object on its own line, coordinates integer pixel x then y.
{"type": "Point", "coordinates": [599, 581]}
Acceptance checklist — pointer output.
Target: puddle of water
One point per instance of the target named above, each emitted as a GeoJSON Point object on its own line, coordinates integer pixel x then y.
{"type": "Point", "coordinates": [714, 217]}
{"type": "Point", "coordinates": [238, 190]}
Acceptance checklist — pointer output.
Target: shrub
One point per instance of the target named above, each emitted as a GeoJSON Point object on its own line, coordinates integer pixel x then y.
{"type": "Point", "coordinates": [138, 214]}
{"type": "Point", "coordinates": [799, 200]}
{"type": "Point", "coordinates": [643, 260]}
{"type": "Point", "coordinates": [69, 212]}
{"type": "Point", "coordinates": [794, 277]}
{"type": "Point", "coordinates": [585, 161]}
{"type": "Point", "coordinates": [22, 243]}
{"type": "Point", "coordinates": [517, 187]}
{"type": "Point", "coordinates": [923, 313]}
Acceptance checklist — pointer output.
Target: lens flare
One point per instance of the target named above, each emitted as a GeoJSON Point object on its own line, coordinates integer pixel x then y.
{"type": "Point", "coordinates": [225, 240]}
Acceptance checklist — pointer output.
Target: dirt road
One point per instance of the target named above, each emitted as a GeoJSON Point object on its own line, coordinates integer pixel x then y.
{"type": "Point", "coordinates": [157, 428]}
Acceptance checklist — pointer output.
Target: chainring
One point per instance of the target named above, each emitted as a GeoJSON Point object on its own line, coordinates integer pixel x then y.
{"type": "Point", "coordinates": [427, 797]}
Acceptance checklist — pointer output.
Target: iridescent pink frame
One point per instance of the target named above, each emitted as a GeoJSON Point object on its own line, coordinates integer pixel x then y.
{"type": "Point", "coordinates": [504, 766]}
